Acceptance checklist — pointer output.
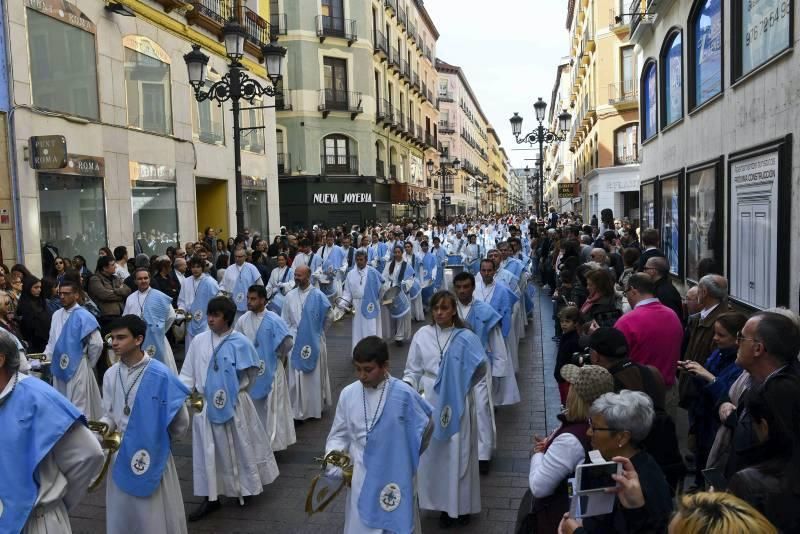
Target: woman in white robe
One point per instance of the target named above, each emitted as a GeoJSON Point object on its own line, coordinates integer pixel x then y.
{"type": "Point", "coordinates": [161, 512]}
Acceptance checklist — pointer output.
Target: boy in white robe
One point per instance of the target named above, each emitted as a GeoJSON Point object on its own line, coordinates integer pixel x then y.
{"type": "Point", "coordinates": [81, 388]}
{"type": "Point", "coordinates": [231, 455]}
{"type": "Point", "coordinates": [356, 435]}
{"type": "Point", "coordinates": [359, 280]}
{"type": "Point", "coordinates": [158, 508]}
{"type": "Point", "coordinates": [135, 305]}
{"type": "Point", "coordinates": [40, 485]}
{"type": "Point", "coordinates": [274, 410]}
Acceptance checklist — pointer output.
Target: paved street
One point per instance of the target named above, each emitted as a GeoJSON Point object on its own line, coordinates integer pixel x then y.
{"type": "Point", "coordinates": [281, 507]}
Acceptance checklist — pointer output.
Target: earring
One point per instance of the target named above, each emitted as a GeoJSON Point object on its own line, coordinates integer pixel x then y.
{"type": "Point", "coordinates": [619, 445]}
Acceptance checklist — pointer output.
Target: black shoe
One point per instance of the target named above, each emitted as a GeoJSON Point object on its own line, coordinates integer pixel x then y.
{"type": "Point", "coordinates": [398, 342]}
{"type": "Point", "coordinates": [298, 422]}
{"type": "Point", "coordinates": [445, 521]}
{"type": "Point", "coordinates": [483, 467]}
{"type": "Point", "coordinates": [463, 520]}
{"type": "Point", "coordinates": [205, 508]}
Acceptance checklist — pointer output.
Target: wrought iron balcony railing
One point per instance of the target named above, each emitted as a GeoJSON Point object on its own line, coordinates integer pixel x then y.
{"type": "Point", "coordinates": [338, 164]}
{"type": "Point", "coordinates": [336, 27]}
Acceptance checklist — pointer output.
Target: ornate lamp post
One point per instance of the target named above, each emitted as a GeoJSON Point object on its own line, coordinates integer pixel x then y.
{"type": "Point", "coordinates": [236, 85]}
{"type": "Point", "coordinates": [541, 136]}
{"type": "Point", "coordinates": [445, 171]}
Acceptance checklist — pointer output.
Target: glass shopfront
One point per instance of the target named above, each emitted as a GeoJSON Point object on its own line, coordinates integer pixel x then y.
{"type": "Point", "coordinates": [254, 189]}
{"type": "Point", "coordinates": [154, 208]}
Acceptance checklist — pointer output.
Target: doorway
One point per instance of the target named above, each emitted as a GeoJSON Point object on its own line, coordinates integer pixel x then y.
{"type": "Point", "coordinates": [212, 206]}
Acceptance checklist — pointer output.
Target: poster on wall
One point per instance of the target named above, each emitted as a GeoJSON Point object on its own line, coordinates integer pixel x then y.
{"type": "Point", "coordinates": [648, 209]}
{"type": "Point", "coordinates": [753, 224]}
{"type": "Point", "coordinates": [415, 170]}
{"type": "Point", "coordinates": [765, 31]}
{"type": "Point", "coordinates": [670, 223]}
{"type": "Point", "coordinates": [703, 243]}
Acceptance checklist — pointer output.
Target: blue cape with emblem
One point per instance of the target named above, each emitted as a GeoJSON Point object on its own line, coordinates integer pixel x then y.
{"type": "Point", "coordinates": [234, 353]}
{"type": "Point", "coordinates": [271, 333]}
{"type": "Point", "coordinates": [307, 342]}
{"type": "Point", "coordinates": [68, 350]}
{"type": "Point", "coordinates": [155, 313]}
{"type": "Point", "coordinates": [207, 288]}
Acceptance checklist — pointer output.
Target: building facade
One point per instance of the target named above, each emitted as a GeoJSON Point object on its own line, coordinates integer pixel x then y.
{"type": "Point", "coordinates": [358, 119]}
{"type": "Point", "coordinates": [558, 157]}
{"type": "Point", "coordinates": [603, 104]}
{"type": "Point", "coordinates": [720, 110]}
{"type": "Point", "coordinates": [146, 165]}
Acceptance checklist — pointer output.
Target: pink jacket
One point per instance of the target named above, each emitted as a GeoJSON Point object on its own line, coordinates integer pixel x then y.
{"type": "Point", "coordinates": [654, 334]}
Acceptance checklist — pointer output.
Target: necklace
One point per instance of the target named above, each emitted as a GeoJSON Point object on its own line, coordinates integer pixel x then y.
{"type": "Point", "coordinates": [216, 349]}
{"type": "Point", "coordinates": [443, 347]}
{"type": "Point", "coordinates": [377, 408]}
{"type": "Point", "coordinates": [139, 301]}
{"type": "Point", "coordinates": [127, 409]}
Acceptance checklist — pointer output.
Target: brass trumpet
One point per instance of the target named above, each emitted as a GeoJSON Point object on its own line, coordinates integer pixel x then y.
{"type": "Point", "coordinates": [196, 401]}
{"type": "Point", "coordinates": [41, 356]}
{"type": "Point", "coordinates": [111, 442]}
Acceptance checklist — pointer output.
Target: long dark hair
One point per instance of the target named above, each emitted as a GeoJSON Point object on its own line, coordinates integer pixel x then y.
{"type": "Point", "coordinates": [444, 295]}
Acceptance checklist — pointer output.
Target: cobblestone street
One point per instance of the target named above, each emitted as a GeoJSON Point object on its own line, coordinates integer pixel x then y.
{"type": "Point", "coordinates": [280, 509]}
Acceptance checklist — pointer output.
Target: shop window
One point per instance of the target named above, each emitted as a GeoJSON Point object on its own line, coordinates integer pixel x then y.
{"type": "Point", "coordinates": [148, 85]}
{"type": "Point", "coordinates": [155, 216]}
{"type": "Point", "coordinates": [208, 123]}
{"type": "Point", "coordinates": [703, 217]}
{"type": "Point", "coordinates": [672, 79]}
{"type": "Point", "coordinates": [649, 106]}
{"type": "Point", "coordinates": [648, 205]}
{"type": "Point", "coordinates": [705, 51]}
{"type": "Point", "coordinates": [670, 221]}
{"type": "Point", "coordinates": [761, 31]}
{"type": "Point", "coordinates": [252, 135]}
{"type": "Point", "coordinates": [626, 149]}
{"type": "Point", "coordinates": [254, 189]}
{"type": "Point", "coordinates": [63, 66]}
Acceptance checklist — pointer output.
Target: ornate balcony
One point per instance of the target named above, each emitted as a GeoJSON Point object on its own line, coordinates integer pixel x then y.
{"type": "Point", "coordinates": [335, 100]}
{"type": "Point", "coordinates": [336, 27]}
{"type": "Point", "coordinates": [338, 165]}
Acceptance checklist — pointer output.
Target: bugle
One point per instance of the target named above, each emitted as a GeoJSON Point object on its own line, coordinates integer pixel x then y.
{"type": "Point", "coordinates": [195, 401]}
{"type": "Point", "coordinates": [325, 488]}
{"type": "Point", "coordinates": [110, 443]}
{"type": "Point", "coordinates": [40, 356]}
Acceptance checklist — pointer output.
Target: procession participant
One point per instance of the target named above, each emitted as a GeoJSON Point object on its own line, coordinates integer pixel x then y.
{"type": "Point", "coordinates": [441, 260]}
{"type": "Point", "coordinates": [155, 308]}
{"type": "Point", "coordinates": [281, 280]}
{"type": "Point", "coordinates": [397, 273]}
{"type": "Point", "coordinates": [444, 363]}
{"type": "Point", "coordinates": [377, 253]}
{"type": "Point", "coordinates": [306, 314]}
{"type": "Point", "coordinates": [384, 444]}
{"type": "Point", "coordinates": [428, 272]}
{"type": "Point", "coordinates": [362, 292]}
{"type": "Point", "coordinates": [231, 455]}
{"type": "Point", "coordinates": [505, 390]}
{"type": "Point", "coordinates": [238, 277]}
{"type": "Point", "coordinates": [196, 291]}
{"type": "Point", "coordinates": [415, 293]}
{"type": "Point", "coordinates": [74, 347]}
{"type": "Point", "coordinates": [484, 320]}
{"type": "Point", "coordinates": [456, 244]}
{"type": "Point", "coordinates": [304, 255]}
{"type": "Point", "coordinates": [49, 458]}
{"type": "Point", "coordinates": [327, 262]}
{"type": "Point", "coordinates": [348, 253]}
{"type": "Point", "coordinates": [270, 391]}
{"type": "Point", "coordinates": [472, 255]}
{"type": "Point", "coordinates": [145, 402]}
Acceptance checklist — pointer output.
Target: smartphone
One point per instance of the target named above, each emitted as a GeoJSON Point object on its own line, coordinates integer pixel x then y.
{"type": "Point", "coordinates": [714, 477]}
{"type": "Point", "coordinates": [596, 477]}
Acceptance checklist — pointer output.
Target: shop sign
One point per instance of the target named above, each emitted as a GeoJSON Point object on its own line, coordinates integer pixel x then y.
{"type": "Point", "coordinates": [47, 152]}
{"type": "Point", "coordinates": [569, 190]}
{"type": "Point", "coordinates": [150, 172]}
{"type": "Point", "coordinates": [78, 165]}
{"type": "Point", "coordinates": [63, 11]}
{"type": "Point", "coordinates": [346, 198]}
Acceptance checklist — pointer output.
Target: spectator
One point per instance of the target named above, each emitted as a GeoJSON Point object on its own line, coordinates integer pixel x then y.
{"type": "Point", "coordinates": [79, 264]}
{"type": "Point", "coordinates": [142, 261]}
{"type": "Point", "coordinates": [50, 293]}
{"type": "Point", "coordinates": [654, 334]}
{"type": "Point", "coordinates": [570, 320]}
{"type": "Point", "coordinates": [209, 238]}
{"type": "Point", "coordinates": [555, 458]}
{"type": "Point", "coordinates": [610, 245]}
{"type": "Point", "coordinates": [14, 291]}
{"type": "Point", "coordinates": [104, 251]}
{"type": "Point", "coordinates": [630, 257]}
{"type": "Point", "coordinates": [221, 250]}
{"type": "Point", "coordinates": [663, 290]}
{"type": "Point", "coordinates": [179, 268]}
{"type": "Point", "coordinates": [83, 298]}
{"type": "Point", "coordinates": [600, 306]}
{"type": "Point", "coordinates": [33, 315]}
{"type": "Point", "coordinates": [718, 513]}
{"type": "Point", "coordinates": [7, 321]}
{"type": "Point", "coordinates": [108, 291]}
{"type": "Point", "coordinates": [59, 268]}
{"type": "Point", "coordinates": [650, 242]}
{"type": "Point", "coordinates": [165, 279]}
{"type": "Point", "coordinates": [121, 259]}
{"type": "Point", "coordinates": [19, 268]}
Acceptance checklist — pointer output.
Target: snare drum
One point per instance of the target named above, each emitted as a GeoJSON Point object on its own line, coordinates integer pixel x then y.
{"type": "Point", "coordinates": [454, 259]}
{"type": "Point", "coordinates": [275, 303]}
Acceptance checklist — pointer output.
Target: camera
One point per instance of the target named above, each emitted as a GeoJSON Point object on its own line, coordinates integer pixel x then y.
{"type": "Point", "coordinates": [580, 358]}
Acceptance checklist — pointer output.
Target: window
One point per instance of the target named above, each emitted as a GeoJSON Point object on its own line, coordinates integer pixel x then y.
{"type": "Point", "coordinates": [703, 243]}
{"type": "Point", "coordinates": [335, 83]}
{"type": "Point", "coordinates": [672, 79]}
{"type": "Point", "coordinates": [444, 88]}
{"type": "Point", "coordinates": [63, 66]}
{"type": "Point", "coordinates": [648, 209]}
{"type": "Point", "coordinates": [626, 148]}
{"type": "Point", "coordinates": [761, 31]}
{"type": "Point", "coordinates": [705, 52]}
{"type": "Point", "coordinates": [155, 216]}
{"type": "Point", "coordinates": [284, 166]}
{"type": "Point", "coordinates": [336, 158]}
{"type": "Point", "coordinates": [254, 193]}
{"type": "Point", "coordinates": [627, 70]}
{"type": "Point", "coordinates": [147, 84]}
{"type": "Point", "coordinates": [671, 222]}
{"type": "Point", "coordinates": [649, 101]}
{"type": "Point", "coordinates": [207, 120]}
{"type": "Point", "coordinates": [253, 140]}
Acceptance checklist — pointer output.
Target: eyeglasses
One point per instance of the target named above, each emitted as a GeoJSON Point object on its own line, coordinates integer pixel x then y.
{"type": "Point", "coordinates": [64, 293]}
{"type": "Point", "coordinates": [598, 429]}
{"type": "Point", "coordinates": [740, 338]}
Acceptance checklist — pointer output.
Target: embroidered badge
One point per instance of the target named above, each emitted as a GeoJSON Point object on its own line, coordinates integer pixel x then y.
{"type": "Point", "coordinates": [390, 497]}
{"type": "Point", "coordinates": [63, 362]}
{"type": "Point", "coordinates": [370, 307]}
{"type": "Point", "coordinates": [220, 398]}
{"type": "Point", "coordinates": [140, 462]}
{"type": "Point", "coordinates": [305, 353]}
{"type": "Point", "coordinates": [198, 315]}
{"type": "Point", "coordinates": [446, 416]}
{"type": "Point", "coordinates": [150, 350]}
{"type": "Point", "coordinates": [240, 297]}
{"type": "Point", "coordinates": [262, 367]}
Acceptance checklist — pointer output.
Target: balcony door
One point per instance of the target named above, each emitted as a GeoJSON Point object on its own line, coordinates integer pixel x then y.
{"type": "Point", "coordinates": [627, 73]}
{"type": "Point", "coordinates": [335, 83]}
{"type": "Point", "coordinates": [337, 154]}
{"type": "Point", "coordinates": [333, 15]}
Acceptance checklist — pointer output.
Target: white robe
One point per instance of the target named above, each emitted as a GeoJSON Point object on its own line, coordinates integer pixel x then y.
{"type": "Point", "coordinates": [82, 390]}
{"type": "Point", "coordinates": [397, 329]}
{"type": "Point", "coordinates": [417, 312]}
{"type": "Point", "coordinates": [134, 304]}
{"type": "Point", "coordinates": [275, 281]}
{"type": "Point", "coordinates": [185, 299]}
{"type": "Point", "coordinates": [485, 293]}
{"type": "Point", "coordinates": [64, 475]}
{"type": "Point", "coordinates": [348, 434]}
{"type": "Point", "coordinates": [309, 392]}
{"type": "Point", "coordinates": [230, 278]}
{"type": "Point", "coordinates": [275, 411]}
{"type": "Point", "coordinates": [232, 459]}
{"type": "Point", "coordinates": [161, 512]}
{"type": "Point", "coordinates": [448, 476]}
{"type": "Point", "coordinates": [354, 286]}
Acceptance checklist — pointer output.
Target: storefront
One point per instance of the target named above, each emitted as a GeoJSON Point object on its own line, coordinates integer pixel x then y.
{"type": "Point", "coordinates": [615, 188]}
{"type": "Point", "coordinates": [308, 201]}
{"type": "Point", "coordinates": [254, 190]}
{"type": "Point", "coordinates": [154, 208]}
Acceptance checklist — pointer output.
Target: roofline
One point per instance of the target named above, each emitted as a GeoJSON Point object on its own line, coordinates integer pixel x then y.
{"type": "Point", "coordinates": [425, 15]}
{"type": "Point", "coordinates": [443, 66]}
{"type": "Point", "coordinates": [570, 13]}
{"type": "Point", "coordinates": [559, 71]}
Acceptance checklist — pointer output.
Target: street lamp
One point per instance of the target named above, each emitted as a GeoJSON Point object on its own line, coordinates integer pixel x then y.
{"type": "Point", "coordinates": [236, 85]}
{"type": "Point", "coordinates": [542, 136]}
{"type": "Point", "coordinates": [445, 171]}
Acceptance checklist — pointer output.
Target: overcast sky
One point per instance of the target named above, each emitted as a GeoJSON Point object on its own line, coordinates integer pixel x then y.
{"type": "Point", "coordinates": [509, 50]}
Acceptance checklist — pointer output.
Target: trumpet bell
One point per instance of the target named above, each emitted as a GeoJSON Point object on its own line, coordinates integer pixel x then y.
{"type": "Point", "coordinates": [110, 443]}
{"type": "Point", "coordinates": [324, 489]}
{"type": "Point", "coordinates": [196, 401]}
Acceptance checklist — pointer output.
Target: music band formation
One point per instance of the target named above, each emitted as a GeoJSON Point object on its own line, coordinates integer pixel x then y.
{"type": "Point", "coordinates": [256, 365]}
